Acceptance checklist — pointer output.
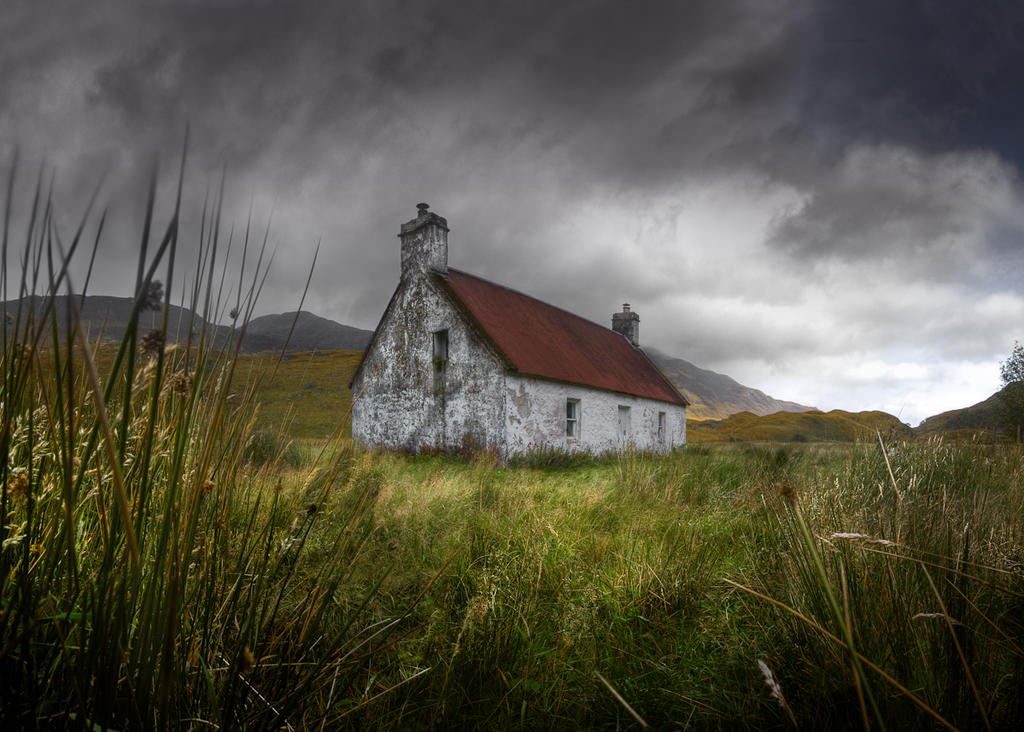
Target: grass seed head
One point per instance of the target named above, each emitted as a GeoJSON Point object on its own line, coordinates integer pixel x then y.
{"type": "Point", "coordinates": [246, 661]}
{"type": "Point", "coordinates": [861, 538]}
{"type": "Point", "coordinates": [19, 487]}
{"type": "Point", "coordinates": [181, 383]}
{"type": "Point", "coordinates": [787, 491]}
{"type": "Point", "coordinates": [775, 689]}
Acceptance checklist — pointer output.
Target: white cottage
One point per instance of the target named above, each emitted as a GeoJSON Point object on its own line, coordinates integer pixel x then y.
{"type": "Point", "coordinates": [460, 362]}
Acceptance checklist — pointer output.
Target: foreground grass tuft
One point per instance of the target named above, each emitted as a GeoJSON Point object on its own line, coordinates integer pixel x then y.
{"type": "Point", "coordinates": [153, 548]}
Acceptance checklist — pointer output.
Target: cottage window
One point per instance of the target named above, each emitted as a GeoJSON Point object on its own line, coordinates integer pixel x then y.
{"type": "Point", "coordinates": [440, 359]}
{"type": "Point", "coordinates": [441, 346]}
{"type": "Point", "coordinates": [572, 418]}
{"type": "Point", "coordinates": [661, 427]}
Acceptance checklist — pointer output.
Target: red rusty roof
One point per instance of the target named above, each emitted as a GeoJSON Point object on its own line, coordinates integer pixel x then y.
{"type": "Point", "coordinates": [538, 339]}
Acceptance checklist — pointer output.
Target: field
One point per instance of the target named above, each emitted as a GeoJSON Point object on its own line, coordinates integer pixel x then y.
{"type": "Point", "coordinates": [311, 586]}
{"type": "Point", "coordinates": [181, 547]}
{"type": "Point", "coordinates": [671, 578]}
{"type": "Point", "coordinates": [307, 392]}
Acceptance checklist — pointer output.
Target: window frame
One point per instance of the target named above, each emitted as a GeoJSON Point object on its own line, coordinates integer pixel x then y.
{"type": "Point", "coordinates": [439, 351]}
{"type": "Point", "coordinates": [440, 343]}
{"type": "Point", "coordinates": [572, 421]}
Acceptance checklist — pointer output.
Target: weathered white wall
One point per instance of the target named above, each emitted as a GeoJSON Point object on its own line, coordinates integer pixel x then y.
{"type": "Point", "coordinates": [394, 401]}
{"type": "Point", "coordinates": [535, 418]}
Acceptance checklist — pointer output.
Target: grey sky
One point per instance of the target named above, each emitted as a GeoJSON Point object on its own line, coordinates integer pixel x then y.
{"type": "Point", "coordinates": [821, 199]}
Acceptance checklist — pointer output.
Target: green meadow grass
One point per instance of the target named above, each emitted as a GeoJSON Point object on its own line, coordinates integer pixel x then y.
{"type": "Point", "coordinates": [671, 577]}
{"type": "Point", "coordinates": [308, 393]}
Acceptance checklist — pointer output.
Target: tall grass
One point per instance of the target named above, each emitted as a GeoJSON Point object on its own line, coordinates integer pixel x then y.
{"type": "Point", "coordinates": [896, 591]}
{"type": "Point", "coordinates": [554, 577]}
{"type": "Point", "coordinates": [685, 581]}
{"type": "Point", "coordinates": [150, 568]}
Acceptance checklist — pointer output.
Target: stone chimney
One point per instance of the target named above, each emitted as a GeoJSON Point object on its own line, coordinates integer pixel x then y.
{"type": "Point", "coordinates": [627, 323]}
{"type": "Point", "coordinates": [424, 243]}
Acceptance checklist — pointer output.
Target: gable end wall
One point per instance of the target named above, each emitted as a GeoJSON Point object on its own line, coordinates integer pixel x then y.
{"type": "Point", "coordinates": [395, 404]}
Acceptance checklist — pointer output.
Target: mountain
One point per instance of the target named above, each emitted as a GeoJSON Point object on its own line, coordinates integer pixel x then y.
{"type": "Point", "coordinates": [981, 417]}
{"type": "Point", "coordinates": [716, 396]}
{"type": "Point", "coordinates": [107, 319]}
{"type": "Point", "coordinates": [268, 332]}
{"type": "Point", "coordinates": [809, 426]}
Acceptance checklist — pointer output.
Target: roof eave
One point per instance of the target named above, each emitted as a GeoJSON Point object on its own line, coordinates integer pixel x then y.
{"type": "Point", "coordinates": [553, 380]}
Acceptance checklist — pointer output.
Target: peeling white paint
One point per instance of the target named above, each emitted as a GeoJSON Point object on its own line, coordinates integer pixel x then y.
{"type": "Point", "coordinates": [395, 404]}
{"type": "Point", "coordinates": [536, 419]}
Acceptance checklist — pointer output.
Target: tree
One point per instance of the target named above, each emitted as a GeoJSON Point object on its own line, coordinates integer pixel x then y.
{"type": "Point", "coordinates": [1011, 372]}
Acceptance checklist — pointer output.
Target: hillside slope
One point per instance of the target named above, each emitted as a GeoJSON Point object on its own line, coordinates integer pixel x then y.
{"type": "Point", "coordinates": [306, 394]}
{"type": "Point", "coordinates": [268, 333]}
{"type": "Point", "coordinates": [716, 396]}
{"type": "Point", "coordinates": [107, 319]}
{"type": "Point", "coordinates": [810, 426]}
{"type": "Point", "coordinates": [981, 417]}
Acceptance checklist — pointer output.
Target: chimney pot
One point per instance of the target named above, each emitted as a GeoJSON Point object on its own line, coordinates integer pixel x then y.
{"type": "Point", "coordinates": [424, 243]}
{"type": "Point", "coordinates": [628, 324]}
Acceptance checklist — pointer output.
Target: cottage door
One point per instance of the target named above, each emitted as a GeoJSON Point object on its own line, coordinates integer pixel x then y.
{"type": "Point", "coordinates": [623, 425]}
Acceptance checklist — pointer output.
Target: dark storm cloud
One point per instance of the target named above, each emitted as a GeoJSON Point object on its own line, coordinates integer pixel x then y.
{"type": "Point", "coordinates": [885, 203]}
{"type": "Point", "coordinates": [935, 75]}
{"type": "Point", "coordinates": [636, 92]}
{"type": "Point", "coordinates": [633, 89]}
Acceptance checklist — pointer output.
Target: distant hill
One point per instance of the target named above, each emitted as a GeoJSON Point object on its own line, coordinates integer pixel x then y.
{"type": "Point", "coordinates": [712, 395]}
{"type": "Point", "coordinates": [716, 396]}
{"type": "Point", "coordinates": [810, 426]}
{"type": "Point", "coordinates": [107, 319]}
{"type": "Point", "coordinates": [980, 417]}
{"type": "Point", "coordinates": [268, 332]}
